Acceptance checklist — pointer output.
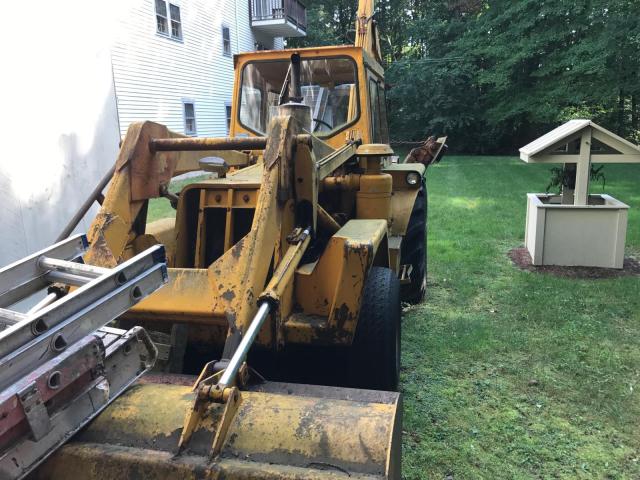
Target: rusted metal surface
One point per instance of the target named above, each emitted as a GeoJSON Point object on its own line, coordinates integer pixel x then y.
{"type": "Point", "coordinates": [241, 273]}
{"type": "Point", "coordinates": [224, 293]}
{"type": "Point", "coordinates": [279, 434]}
{"type": "Point", "coordinates": [221, 267]}
{"type": "Point", "coordinates": [115, 462]}
{"type": "Point", "coordinates": [327, 222]}
{"type": "Point", "coordinates": [331, 162]}
{"type": "Point", "coordinates": [189, 161]}
{"type": "Point", "coordinates": [278, 155]}
{"type": "Point", "coordinates": [168, 379]}
{"type": "Point", "coordinates": [431, 151]}
{"type": "Point", "coordinates": [148, 171]}
{"type": "Point", "coordinates": [404, 195]}
{"type": "Point", "coordinates": [331, 289]}
{"type": "Point", "coordinates": [283, 275]}
{"type": "Point", "coordinates": [159, 144]}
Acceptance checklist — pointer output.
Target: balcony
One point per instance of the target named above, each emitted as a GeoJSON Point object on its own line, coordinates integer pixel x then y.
{"type": "Point", "coordinates": [279, 18]}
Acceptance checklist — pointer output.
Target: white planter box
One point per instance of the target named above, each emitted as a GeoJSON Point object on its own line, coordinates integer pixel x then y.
{"type": "Point", "coordinates": [576, 235]}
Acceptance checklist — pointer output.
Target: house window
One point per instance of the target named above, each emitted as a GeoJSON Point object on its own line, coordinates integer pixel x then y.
{"type": "Point", "coordinates": [226, 41]}
{"type": "Point", "coordinates": [189, 118]}
{"type": "Point", "coordinates": [176, 24]}
{"type": "Point", "coordinates": [161, 17]}
{"type": "Point", "coordinates": [171, 19]}
{"type": "Point", "coordinates": [227, 108]}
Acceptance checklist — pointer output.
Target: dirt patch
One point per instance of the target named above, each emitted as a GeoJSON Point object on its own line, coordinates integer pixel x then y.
{"type": "Point", "coordinates": [521, 258]}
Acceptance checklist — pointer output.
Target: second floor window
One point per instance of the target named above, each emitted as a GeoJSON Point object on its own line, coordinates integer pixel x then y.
{"type": "Point", "coordinates": [226, 41]}
{"type": "Point", "coordinates": [176, 24]}
{"type": "Point", "coordinates": [168, 20]}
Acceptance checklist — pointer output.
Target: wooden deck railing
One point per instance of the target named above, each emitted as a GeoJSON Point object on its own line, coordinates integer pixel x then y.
{"type": "Point", "coordinates": [293, 11]}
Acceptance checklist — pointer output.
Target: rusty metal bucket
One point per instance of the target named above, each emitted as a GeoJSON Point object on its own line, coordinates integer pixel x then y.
{"type": "Point", "coordinates": [281, 431]}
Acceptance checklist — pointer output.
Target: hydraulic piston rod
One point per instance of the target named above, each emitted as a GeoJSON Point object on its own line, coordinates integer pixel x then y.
{"type": "Point", "coordinates": [280, 279]}
{"type": "Point", "coordinates": [225, 390]}
{"type": "Point", "coordinates": [240, 355]}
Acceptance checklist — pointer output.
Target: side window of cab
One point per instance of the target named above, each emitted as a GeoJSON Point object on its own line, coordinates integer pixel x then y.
{"type": "Point", "coordinates": [378, 110]}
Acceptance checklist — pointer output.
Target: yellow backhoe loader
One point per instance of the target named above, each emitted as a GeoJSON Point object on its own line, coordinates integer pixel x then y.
{"type": "Point", "coordinates": [288, 264]}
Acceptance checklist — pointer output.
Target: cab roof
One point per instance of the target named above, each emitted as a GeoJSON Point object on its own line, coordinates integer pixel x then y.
{"type": "Point", "coordinates": [349, 50]}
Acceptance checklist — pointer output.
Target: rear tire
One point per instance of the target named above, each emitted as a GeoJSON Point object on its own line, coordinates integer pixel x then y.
{"type": "Point", "coordinates": [374, 357]}
{"type": "Point", "coordinates": [414, 250]}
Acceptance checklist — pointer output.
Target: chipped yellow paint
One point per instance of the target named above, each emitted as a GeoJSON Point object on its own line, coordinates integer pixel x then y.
{"type": "Point", "coordinates": [404, 195]}
{"type": "Point", "coordinates": [187, 297]}
{"type": "Point", "coordinates": [94, 462]}
{"type": "Point", "coordinates": [332, 287]}
{"type": "Point", "coordinates": [308, 427]}
{"type": "Point", "coordinates": [239, 276]}
{"type": "Point", "coordinates": [164, 232]}
{"type": "Point", "coordinates": [143, 412]}
{"type": "Point", "coordinates": [273, 435]}
{"type": "Point", "coordinates": [225, 293]}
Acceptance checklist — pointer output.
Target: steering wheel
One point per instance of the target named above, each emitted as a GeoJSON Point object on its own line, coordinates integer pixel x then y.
{"type": "Point", "coordinates": [319, 121]}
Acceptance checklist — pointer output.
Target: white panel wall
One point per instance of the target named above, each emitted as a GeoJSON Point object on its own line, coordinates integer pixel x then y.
{"type": "Point", "coordinates": [59, 124]}
{"type": "Point", "coordinates": [155, 74]}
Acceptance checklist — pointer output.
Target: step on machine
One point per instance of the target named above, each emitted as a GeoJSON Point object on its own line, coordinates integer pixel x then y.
{"type": "Point", "coordinates": [60, 365]}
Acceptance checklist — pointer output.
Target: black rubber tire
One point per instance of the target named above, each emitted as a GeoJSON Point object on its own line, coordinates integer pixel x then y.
{"type": "Point", "coordinates": [374, 356]}
{"type": "Point", "coordinates": [414, 250]}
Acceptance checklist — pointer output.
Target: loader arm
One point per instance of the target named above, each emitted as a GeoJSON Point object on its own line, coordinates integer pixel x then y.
{"type": "Point", "coordinates": [298, 244]}
{"type": "Point", "coordinates": [142, 173]}
{"type": "Point", "coordinates": [241, 284]}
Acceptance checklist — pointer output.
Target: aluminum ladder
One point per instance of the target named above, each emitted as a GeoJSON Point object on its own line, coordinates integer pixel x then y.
{"type": "Point", "coordinates": [60, 365]}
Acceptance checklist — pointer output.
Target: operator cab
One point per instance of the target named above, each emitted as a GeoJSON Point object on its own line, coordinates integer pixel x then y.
{"type": "Point", "coordinates": [343, 87]}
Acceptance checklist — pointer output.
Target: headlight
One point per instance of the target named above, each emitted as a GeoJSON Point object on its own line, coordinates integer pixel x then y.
{"type": "Point", "coordinates": [413, 178]}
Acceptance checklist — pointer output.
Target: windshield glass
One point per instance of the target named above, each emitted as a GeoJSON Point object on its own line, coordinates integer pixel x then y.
{"type": "Point", "coordinates": [328, 87]}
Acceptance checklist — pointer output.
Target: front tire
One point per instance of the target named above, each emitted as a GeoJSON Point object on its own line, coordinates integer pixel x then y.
{"type": "Point", "coordinates": [414, 250]}
{"type": "Point", "coordinates": [374, 358]}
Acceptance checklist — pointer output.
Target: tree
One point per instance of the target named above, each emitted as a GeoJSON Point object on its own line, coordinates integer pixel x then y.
{"type": "Point", "coordinates": [330, 22]}
{"type": "Point", "coordinates": [494, 74]}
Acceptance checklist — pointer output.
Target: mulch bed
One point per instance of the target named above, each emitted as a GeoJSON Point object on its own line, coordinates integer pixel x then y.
{"type": "Point", "coordinates": [521, 258]}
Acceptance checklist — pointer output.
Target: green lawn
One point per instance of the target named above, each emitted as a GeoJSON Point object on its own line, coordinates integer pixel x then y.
{"type": "Point", "coordinates": [511, 374]}
{"type": "Point", "coordinates": [161, 207]}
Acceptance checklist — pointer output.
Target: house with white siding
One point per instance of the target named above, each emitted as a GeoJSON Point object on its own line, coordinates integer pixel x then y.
{"type": "Point", "coordinates": [170, 61]}
{"type": "Point", "coordinates": [62, 90]}
{"type": "Point", "coordinates": [173, 59]}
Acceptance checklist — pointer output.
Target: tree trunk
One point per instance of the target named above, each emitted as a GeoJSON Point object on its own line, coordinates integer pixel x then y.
{"type": "Point", "coordinates": [621, 131]}
{"type": "Point", "coordinates": [634, 113]}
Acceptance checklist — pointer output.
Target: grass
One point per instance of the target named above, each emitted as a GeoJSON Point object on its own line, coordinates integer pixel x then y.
{"type": "Point", "coordinates": [161, 208]}
{"type": "Point", "coordinates": [512, 374]}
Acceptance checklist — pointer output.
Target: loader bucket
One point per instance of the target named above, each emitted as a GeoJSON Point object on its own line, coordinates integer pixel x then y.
{"type": "Point", "coordinates": [281, 431]}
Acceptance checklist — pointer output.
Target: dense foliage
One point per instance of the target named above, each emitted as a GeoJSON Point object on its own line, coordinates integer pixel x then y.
{"type": "Point", "coordinates": [494, 74]}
